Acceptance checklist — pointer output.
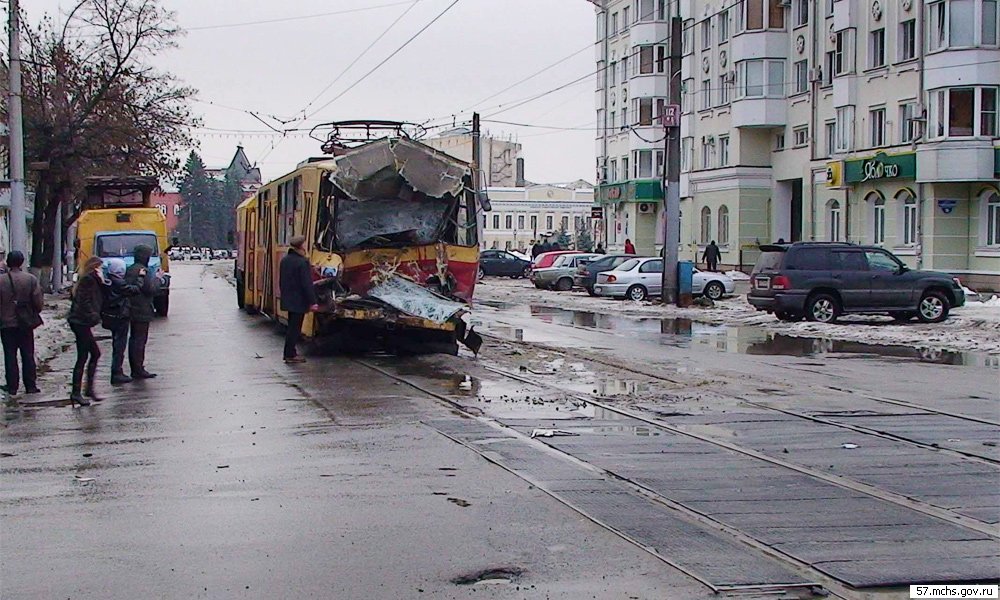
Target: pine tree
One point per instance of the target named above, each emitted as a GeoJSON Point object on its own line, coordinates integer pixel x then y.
{"type": "Point", "coordinates": [584, 241]}
{"type": "Point", "coordinates": [196, 223]}
{"type": "Point", "coordinates": [562, 238]}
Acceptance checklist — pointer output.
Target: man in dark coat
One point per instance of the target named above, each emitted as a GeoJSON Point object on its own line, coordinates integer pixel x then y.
{"type": "Point", "coordinates": [141, 310]}
{"type": "Point", "coordinates": [17, 285]}
{"type": "Point", "coordinates": [712, 256]}
{"type": "Point", "coordinates": [298, 295]}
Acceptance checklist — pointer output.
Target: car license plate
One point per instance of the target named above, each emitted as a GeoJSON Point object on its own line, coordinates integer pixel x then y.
{"type": "Point", "coordinates": [762, 283]}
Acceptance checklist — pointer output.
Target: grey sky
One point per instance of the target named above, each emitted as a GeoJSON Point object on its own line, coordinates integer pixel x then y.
{"type": "Point", "coordinates": [478, 48]}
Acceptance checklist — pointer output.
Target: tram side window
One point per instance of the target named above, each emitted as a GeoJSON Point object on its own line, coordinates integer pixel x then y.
{"type": "Point", "coordinates": [466, 232]}
{"type": "Point", "coordinates": [288, 200]}
{"type": "Point", "coordinates": [262, 211]}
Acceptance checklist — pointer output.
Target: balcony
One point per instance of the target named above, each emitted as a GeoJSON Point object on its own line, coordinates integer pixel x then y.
{"type": "Point", "coordinates": [758, 44]}
{"type": "Point", "coordinates": [956, 160]}
{"type": "Point", "coordinates": [648, 86]}
{"type": "Point", "coordinates": [759, 112]}
{"type": "Point", "coordinates": [650, 32]}
{"type": "Point", "coordinates": [966, 66]}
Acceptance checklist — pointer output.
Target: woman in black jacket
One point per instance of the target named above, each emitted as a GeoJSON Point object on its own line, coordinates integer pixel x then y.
{"type": "Point", "coordinates": [88, 298]}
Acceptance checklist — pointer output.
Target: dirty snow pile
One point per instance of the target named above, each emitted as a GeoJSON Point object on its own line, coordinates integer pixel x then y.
{"type": "Point", "coordinates": [54, 334]}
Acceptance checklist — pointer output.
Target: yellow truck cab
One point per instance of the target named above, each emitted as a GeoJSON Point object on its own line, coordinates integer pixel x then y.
{"type": "Point", "coordinates": [117, 217]}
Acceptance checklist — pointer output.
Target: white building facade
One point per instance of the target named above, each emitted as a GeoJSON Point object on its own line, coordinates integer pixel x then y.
{"type": "Point", "coordinates": [522, 216]}
{"type": "Point", "coordinates": [870, 121]}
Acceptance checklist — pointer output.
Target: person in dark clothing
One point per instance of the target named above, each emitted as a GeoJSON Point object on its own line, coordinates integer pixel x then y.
{"type": "Point", "coordinates": [629, 248]}
{"type": "Point", "coordinates": [141, 310]}
{"type": "Point", "coordinates": [88, 299]}
{"type": "Point", "coordinates": [298, 295]}
{"type": "Point", "coordinates": [115, 317]}
{"type": "Point", "coordinates": [19, 288]}
{"type": "Point", "coordinates": [599, 249]}
{"type": "Point", "coordinates": [712, 256]}
{"type": "Point", "coordinates": [536, 249]}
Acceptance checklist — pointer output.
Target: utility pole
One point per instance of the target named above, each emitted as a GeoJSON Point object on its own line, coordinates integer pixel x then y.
{"type": "Point", "coordinates": [476, 152]}
{"type": "Point", "coordinates": [672, 169]}
{"type": "Point", "coordinates": [18, 215]}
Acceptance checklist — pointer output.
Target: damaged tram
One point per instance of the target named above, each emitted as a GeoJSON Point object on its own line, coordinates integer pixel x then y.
{"type": "Point", "coordinates": [392, 237]}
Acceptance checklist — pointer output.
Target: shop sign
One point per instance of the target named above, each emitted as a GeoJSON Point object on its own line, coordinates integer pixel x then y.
{"type": "Point", "coordinates": [614, 193]}
{"type": "Point", "coordinates": [834, 174]}
{"type": "Point", "coordinates": [596, 212]}
{"type": "Point", "coordinates": [947, 205]}
{"type": "Point", "coordinates": [881, 166]}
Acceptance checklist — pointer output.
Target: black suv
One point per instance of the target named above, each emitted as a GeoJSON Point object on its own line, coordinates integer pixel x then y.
{"type": "Point", "coordinates": [822, 280]}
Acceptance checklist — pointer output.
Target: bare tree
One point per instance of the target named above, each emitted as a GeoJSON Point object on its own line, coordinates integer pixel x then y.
{"type": "Point", "coordinates": [94, 105]}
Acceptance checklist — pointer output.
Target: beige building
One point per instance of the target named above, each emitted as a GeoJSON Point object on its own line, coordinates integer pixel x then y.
{"type": "Point", "coordinates": [523, 215]}
{"type": "Point", "coordinates": [871, 122]}
{"type": "Point", "coordinates": [502, 163]}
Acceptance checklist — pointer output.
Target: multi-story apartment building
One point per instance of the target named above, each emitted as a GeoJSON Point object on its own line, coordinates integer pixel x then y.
{"type": "Point", "coordinates": [869, 121]}
{"type": "Point", "coordinates": [522, 216]}
{"type": "Point", "coordinates": [502, 165]}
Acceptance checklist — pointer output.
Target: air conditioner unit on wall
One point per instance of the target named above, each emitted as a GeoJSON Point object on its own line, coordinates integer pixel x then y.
{"type": "Point", "coordinates": [816, 74]}
{"type": "Point", "coordinates": [646, 208]}
{"type": "Point", "coordinates": [729, 77]}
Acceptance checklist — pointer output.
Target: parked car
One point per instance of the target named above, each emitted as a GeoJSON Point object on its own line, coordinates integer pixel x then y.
{"type": "Point", "coordinates": [586, 274]}
{"type": "Point", "coordinates": [711, 285]}
{"type": "Point", "coordinates": [823, 280]}
{"type": "Point", "coordinates": [560, 275]}
{"type": "Point", "coordinates": [502, 263]}
{"type": "Point", "coordinates": [640, 278]}
{"type": "Point", "coordinates": [195, 255]}
{"type": "Point", "coordinates": [545, 259]}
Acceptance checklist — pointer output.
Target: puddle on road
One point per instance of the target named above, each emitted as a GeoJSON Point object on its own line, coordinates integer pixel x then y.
{"type": "Point", "coordinates": [685, 333]}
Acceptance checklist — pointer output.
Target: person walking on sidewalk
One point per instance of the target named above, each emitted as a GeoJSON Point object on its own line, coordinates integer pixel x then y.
{"type": "Point", "coordinates": [21, 304]}
{"type": "Point", "coordinates": [298, 296]}
{"type": "Point", "coordinates": [140, 310]}
{"type": "Point", "coordinates": [712, 256]}
{"type": "Point", "coordinates": [88, 299]}
{"type": "Point", "coordinates": [115, 317]}
{"type": "Point", "coordinates": [629, 248]}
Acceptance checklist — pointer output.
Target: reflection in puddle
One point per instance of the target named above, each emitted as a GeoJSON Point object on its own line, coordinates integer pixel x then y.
{"type": "Point", "coordinates": [685, 333]}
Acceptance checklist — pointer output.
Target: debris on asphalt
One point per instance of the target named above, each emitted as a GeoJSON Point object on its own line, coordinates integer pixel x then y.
{"type": "Point", "coordinates": [848, 446]}
{"type": "Point", "coordinates": [466, 385]}
{"type": "Point", "coordinates": [550, 432]}
{"type": "Point", "coordinates": [222, 467]}
{"type": "Point", "coordinates": [80, 479]}
{"type": "Point", "coordinates": [460, 502]}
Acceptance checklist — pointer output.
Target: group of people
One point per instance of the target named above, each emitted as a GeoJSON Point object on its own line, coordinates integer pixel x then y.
{"type": "Point", "coordinates": [118, 298]}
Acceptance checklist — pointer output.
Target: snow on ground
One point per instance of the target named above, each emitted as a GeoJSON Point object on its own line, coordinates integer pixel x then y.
{"type": "Point", "coordinates": [973, 327]}
{"type": "Point", "coordinates": [54, 334]}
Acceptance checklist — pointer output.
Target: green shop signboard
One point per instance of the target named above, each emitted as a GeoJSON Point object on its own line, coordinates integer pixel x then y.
{"type": "Point", "coordinates": [630, 191]}
{"type": "Point", "coordinates": [881, 166]}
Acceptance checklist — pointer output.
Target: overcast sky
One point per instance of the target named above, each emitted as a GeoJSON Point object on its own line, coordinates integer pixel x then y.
{"type": "Point", "coordinates": [475, 50]}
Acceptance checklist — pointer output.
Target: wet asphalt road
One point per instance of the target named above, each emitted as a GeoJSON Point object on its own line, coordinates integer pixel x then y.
{"type": "Point", "coordinates": [232, 475]}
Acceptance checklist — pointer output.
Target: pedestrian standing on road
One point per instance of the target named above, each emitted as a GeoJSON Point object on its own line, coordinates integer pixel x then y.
{"type": "Point", "coordinates": [599, 249]}
{"type": "Point", "coordinates": [298, 295]}
{"type": "Point", "coordinates": [21, 304]}
{"type": "Point", "coordinates": [115, 317]}
{"type": "Point", "coordinates": [140, 310]}
{"type": "Point", "coordinates": [712, 256]}
{"type": "Point", "coordinates": [629, 248]}
{"type": "Point", "coordinates": [88, 300]}
{"type": "Point", "coordinates": [536, 249]}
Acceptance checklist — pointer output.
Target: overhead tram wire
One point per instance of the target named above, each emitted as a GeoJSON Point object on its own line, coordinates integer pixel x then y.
{"type": "Point", "coordinates": [386, 59]}
{"type": "Point", "coordinates": [359, 57]}
{"type": "Point", "coordinates": [299, 18]}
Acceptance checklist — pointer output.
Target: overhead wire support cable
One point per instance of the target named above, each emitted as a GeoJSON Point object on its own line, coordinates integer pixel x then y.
{"type": "Point", "coordinates": [299, 18]}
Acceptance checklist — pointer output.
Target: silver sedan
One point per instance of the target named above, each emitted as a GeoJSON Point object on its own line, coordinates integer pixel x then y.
{"type": "Point", "coordinates": [640, 278]}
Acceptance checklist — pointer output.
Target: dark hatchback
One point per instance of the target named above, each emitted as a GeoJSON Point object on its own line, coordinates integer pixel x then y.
{"type": "Point", "coordinates": [822, 280]}
{"type": "Point", "coordinates": [502, 263]}
{"type": "Point", "coordinates": [586, 275]}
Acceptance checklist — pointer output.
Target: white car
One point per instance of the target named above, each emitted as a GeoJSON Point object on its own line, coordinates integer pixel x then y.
{"type": "Point", "coordinates": [640, 278]}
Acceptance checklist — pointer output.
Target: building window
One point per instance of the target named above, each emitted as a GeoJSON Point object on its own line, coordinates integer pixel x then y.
{"type": "Point", "coordinates": [534, 222]}
{"type": "Point", "coordinates": [907, 122]}
{"type": "Point", "coordinates": [706, 94]}
{"type": "Point", "coordinates": [647, 10]}
{"type": "Point", "coordinates": [520, 222]}
{"type": "Point", "coordinates": [801, 75]}
{"type": "Point", "coordinates": [963, 112]}
{"type": "Point", "coordinates": [876, 49]}
{"type": "Point", "coordinates": [625, 18]}
{"type": "Point", "coordinates": [623, 67]}
{"type": "Point", "coordinates": [614, 25]}
{"type": "Point", "coordinates": [706, 226]}
{"type": "Point", "coordinates": [706, 155]}
{"type": "Point", "coordinates": [686, 45]}
{"type": "Point", "coordinates": [910, 218]}
{"type": "Point", "coordinates": [829, 7]}
{"type": "Point", "coordinates": [833, 214]}
{"type": "Point", "coordinates": [762, 78]}
{"type": "Point", "coordinates": [496, 221]}
{"type": "Point", "coordinates": [601, 75]}
{"type": "Point", "coordinates": [845, 129]}
{"type": "Point", "coordinates": [548, 222]}
{"type": "Point", "coordinates": [723, 26]}
{"type": "Point", "coordinates": [652, 59]}
{"type": "Point", "coordinates": [509, 221]}
{"type": "Point", "coordinates": [724, 151]}
{"type": "Point", "coordinates": [612, 74]}
{"type": "Point", "coordinates": [687, 89]}
{"type": "Point", "coordinates": [843, 54]}
{"type": "Point", "coordinates": [876, 118]}
{"type": "Point", "coordinates": [687, 153]}
{"type": "Point", "coordinates": [750, 15]}
{"type": "Point", "coordinates": [644, 108]}
{"type": "Point", "coordinates": [878, 218]}
{"type": "Point", "coordinates": [961, 23]}
{"type": "Point", "coordinates": [565, 223]}
{"type": "Point", "coordinates": [908, 40]}
{"type": "Point", "coordinates": [644, 164]}
{"type": "Point", "coordinates": [724, 89]}
{"type": "Point", "coordinates": [706, 34]}
{"type": "Point", "coordinates": [625, 123]}
{"type": "Point", "coordinates": [600, 27]}
{"type": "Point", "coordinates": [779, 140]}
{"type": "Point", "coordinates": [613, 171]}
{"type": "Point", "coordinates": [991, 200]}
{"type": "Point", "coordinates": [723, 225]}
{"type": "Point", "coordinates": [801, 13]}
{"type": "Point", "coordinates": [659, 163]}
{"type": "Point", "coordinates": [625, 175]}
{"type": "Point", "coordinates": [831, 137]}
{"type": "Point", "coordinates": [800, 137]}
{"type": "Point", "coordinates": [828, 68]}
